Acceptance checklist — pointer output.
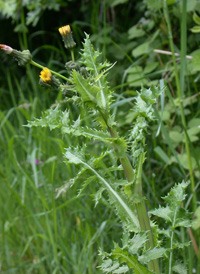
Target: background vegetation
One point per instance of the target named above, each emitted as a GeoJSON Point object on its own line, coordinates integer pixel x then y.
{"type": "Point", "coordinates": [45, 229]}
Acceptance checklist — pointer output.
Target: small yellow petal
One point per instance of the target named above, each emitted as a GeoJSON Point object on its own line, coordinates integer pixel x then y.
{"type": "Point", "coordinates": [46, 75]}
{"type": "Point", "coordinates": [65, 30]}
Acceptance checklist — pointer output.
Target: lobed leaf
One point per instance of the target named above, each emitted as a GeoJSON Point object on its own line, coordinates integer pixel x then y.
{"type": "Point", "coordinates": [124, 209]}
{"type": "Point", "coordinates": [87, 91]}
{"type": "Point", "coordinates": [152, 254]}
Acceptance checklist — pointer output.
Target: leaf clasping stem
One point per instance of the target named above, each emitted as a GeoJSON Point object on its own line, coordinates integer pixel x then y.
{"type": "Point", "coordinates": [141, 206]}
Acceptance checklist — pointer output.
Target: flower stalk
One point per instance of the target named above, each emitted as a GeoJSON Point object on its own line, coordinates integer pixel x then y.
{"type": "Point", "coordinates": [52, 71]}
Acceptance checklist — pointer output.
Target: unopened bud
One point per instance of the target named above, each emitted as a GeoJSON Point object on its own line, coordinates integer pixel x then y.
{"type": "Point", "coordinates": [6, 49]}
{"type": "Point", "coordinates": [22, 57]}
{"type": "Point", "coordinates": [72, 65]}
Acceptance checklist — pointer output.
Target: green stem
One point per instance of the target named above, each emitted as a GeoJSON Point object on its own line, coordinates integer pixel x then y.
{"type": "Point", "coordinates": [172, 242]}
{"type": "Point", "coordinates": [180, 83]}
{"type": "Point", "coordinates": [140, 207]}
{"type": "Point", "coordinates": [25, 40]}
{"type": "Point", "coordinates": [143, 214]}
{"type": "Point", "coordinates": [52, 71]}
{"type": "Point", "coordinates": [127, 167]}
{"type": "Point", "coordinates": [72, 55]}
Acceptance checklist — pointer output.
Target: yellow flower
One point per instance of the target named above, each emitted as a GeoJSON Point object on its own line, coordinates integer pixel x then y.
{"type": "Point", "coordinates": [65, 30]}
{"type": "Point", "coordinates": [46, 75]}
{"type": "Point", "coordinates": [48, 80]}
{"type": "Point", "coordinates": [67, 37]}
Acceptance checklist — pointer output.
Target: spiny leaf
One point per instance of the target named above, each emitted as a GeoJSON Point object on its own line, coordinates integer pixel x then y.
{"type": "Point", "coordinates": [121, 269]}
{"type": "Point", "coordinates": [51, 118]}
{"type": "Point", "coordinates": [86, 183]}
{"type": "Point", "coordinates": [119, 144]}
{"type": "Point", "coordinates": [176, 194]}
{"type": "Point", "coordinates": [98, 195]}
{"type": "Point", "coordinates": [100, 157]}
{"type": "Point", "coordinates": [87, 91]}
{"type": "Point", "coordinates": [131, 261]}
{"type": "Point", "coordinates": [173, 212]}
{"type": "Point", "coordinates": [163, 212]}
{"type": "Point", "coordinates": [125, 211]}
{"type": "Point", "coordinates": [144, 112]}
{"type": "Point", "coordinates": [183, 218]}
{"type": "Point", "coordinates": [181, 245]}
{"type": "Point", "coordinates": [90, 55]}
{"type": "Point", "coordinates": [90, 133]}
{"type": "Point", "coordinates": [137, 242]}
{"type": "Point", "coordinates": [98, 72]}
{"type": "Point", "coordinates": [152, 254]}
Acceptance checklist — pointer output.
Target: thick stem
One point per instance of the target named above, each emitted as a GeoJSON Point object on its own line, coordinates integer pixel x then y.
{"type": "Point", "coordinates": [143, 214]}
{"type": "Point", "coordinates": [140, 207]}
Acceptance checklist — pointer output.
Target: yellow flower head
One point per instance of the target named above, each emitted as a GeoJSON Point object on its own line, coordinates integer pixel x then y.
{"type": "Point", "coordinates": [67, 37]}
{"type": "Point", "coordinates": [65, 30]}
{"type": "Point", "coordinates": [46, 75]}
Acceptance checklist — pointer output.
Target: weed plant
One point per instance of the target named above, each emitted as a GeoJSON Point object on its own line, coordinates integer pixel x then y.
{"type": "Point", "coordinates": [94, 143]}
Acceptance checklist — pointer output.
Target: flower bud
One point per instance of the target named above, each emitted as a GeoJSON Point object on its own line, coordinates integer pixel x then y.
{"type": "Point", "coordinates": [47, 79]}
{"type": "Point", "coordinates": [67, 37]}
{"type": "Point", "coordinates": [72, 65]}
{"type": "Point", "coordinates": [6, 49]}
{"type": "Point", "coordinates": [22, 57]}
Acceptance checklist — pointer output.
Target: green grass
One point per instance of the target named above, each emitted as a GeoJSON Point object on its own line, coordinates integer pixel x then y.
{"type": "Point", "coordinates": [41, 234]}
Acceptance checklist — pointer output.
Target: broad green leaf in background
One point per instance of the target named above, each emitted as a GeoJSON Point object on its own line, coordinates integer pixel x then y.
{"type": "Point", "coordinates": [176, 137]}
{"type": "Point", "coordinates": [195, 29]}
{"type": "Point", "coordinates": [180, 269]}
{"type": "Point", "coordinates": [135, 32]}
{"type": "Point", "coordinates": [195, 60]}
{"type": "Point", "coordinates": [196, 18]}
{"type": "Point", "coordinates": [184, 161]}
{"type": "Point", "coordinates": [191, 4]}
{"type": "Point", "coordinates": [196, 221]}
{"type": "Point", "coordinates": [141, 49]}
{"type": "Point", "coordinates": [194, 122]}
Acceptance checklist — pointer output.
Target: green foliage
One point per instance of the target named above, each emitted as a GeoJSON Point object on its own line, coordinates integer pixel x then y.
{"type": "Point", "coordinates": [95, 96]}
{"type": "Point", "coordinates": [132, 257]}
{"type": "Point", "coordinates": [145, 114]}
{"type": "Point", "coordinates": [124, 209]}
{"type": "Point", "coordinates": [49, 223]}
{"type": "Point", "coordinates": [35, 9]}
{"type": "Point", "coordinates": [175, 216]}
{"type": "Point", "coordinates": [120, 261]}
{"type": "Point", "coordinates": [97, 79]}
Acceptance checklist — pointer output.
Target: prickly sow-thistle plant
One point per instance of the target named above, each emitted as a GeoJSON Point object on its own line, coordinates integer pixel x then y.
{"type": "Point", "coordinates": [87, 88]}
